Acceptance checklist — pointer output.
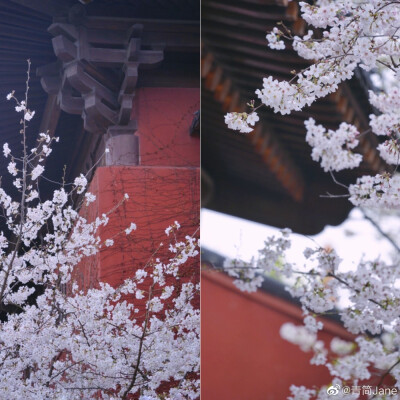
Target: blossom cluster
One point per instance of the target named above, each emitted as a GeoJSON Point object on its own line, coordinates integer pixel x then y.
{"type": "Point", "coordinates": [376, 191]}
{"type": "Point", "coordinates": [241, 122]}
{"type": "Point", "coordinates": [333, 148]}
{"type": "Point", "coordinates": [306, 340]}
{"type": "Point", "coordinates": [139, 339]}
{"type": "Point", "coordinates": [97, 342]}
{"type": "Point", "coordinates": [274, 39]}
{"type": "Point", "coordinates": [354, 35]}
{"type": "Point", "coordinates": [372, 309]}
{"type": "Point", "coordinates": [248, 275]}
{"type": "Point", "coordinates": [343, 35]}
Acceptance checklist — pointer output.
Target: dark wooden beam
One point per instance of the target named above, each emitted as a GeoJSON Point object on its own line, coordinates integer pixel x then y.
{"type": "Point", "coordinates": [241, 199]}
{"type": "Point", "coordinates": [169, 34]}
{"type": "Point", "coordinates": [264, 140]}
{"type": "Point", "coordinates": [49, 7]}
{"type": "Point", "coordinates": [219, 8]}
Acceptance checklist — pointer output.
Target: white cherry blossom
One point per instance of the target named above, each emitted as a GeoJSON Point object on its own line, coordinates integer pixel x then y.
{"type": "Point", "coordinates": [70, 343]}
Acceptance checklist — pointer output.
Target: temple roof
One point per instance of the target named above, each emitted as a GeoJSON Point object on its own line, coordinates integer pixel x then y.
{"type": "Point", "coordinates": [24, 33]}
{"type": "Point", "coordinates": [268, 176]}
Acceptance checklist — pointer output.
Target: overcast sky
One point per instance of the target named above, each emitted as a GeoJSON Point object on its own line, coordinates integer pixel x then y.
{"type": "Point", "coordinates": [356, 237]}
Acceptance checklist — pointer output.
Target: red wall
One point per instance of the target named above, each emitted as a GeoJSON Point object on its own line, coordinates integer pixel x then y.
{"type": "Point", "coordinates": [164, 116]}
{"type": "Point", "coordinates": [243, 356]}
{"type": "Point", "coordinates": [165, 187]}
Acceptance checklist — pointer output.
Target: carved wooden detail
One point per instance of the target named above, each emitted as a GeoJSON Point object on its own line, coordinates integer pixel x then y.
{"type": "Point", "coordinates": [96, 73]}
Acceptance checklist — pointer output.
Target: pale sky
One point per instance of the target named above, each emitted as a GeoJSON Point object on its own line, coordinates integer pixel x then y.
{"type": "Point", "coordinates": [356, 237]}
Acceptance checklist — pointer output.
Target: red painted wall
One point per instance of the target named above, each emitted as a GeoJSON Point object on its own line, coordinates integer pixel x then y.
{"type": "Point", "coordinates": [243, 356]}
{"type": "Point", "coordinates": [164, 116]}
{"type": "Point", "coordinates": [165, 187]}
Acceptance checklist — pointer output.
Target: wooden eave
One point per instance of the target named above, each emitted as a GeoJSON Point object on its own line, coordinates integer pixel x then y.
{"type": "Point", "coordinates": [24, 33]}
{"type": "Point", "coordinates": [269, 176]}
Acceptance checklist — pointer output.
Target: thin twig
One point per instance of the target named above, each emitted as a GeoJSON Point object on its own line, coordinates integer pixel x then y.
{"type": "Point", "coordinates": [379, 229]}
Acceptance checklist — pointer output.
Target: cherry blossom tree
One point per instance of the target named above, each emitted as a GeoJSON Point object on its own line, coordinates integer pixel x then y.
{"type": "Point", "coordinates": [344, 35]}
{"type": "Point", "coordinates": [60, 342]}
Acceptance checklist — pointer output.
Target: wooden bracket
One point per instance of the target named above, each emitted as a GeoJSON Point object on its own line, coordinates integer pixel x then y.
{"type": "Point", "coordinates": [96, 75]}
